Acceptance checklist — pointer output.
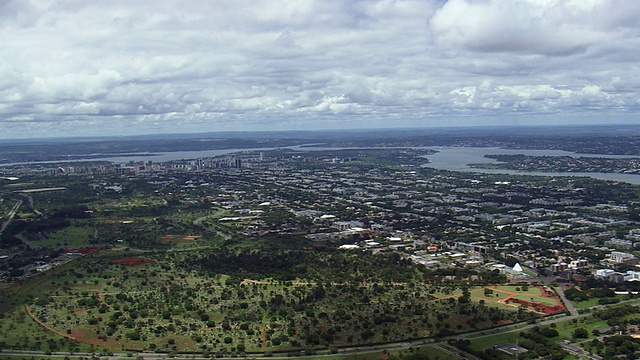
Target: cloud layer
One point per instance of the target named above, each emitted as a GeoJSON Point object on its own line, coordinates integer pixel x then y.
{"type": "Point", "coordinates": [118, 67]}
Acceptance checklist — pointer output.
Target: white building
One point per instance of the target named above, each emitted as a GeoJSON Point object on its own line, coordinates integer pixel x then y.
{"type": "Point", "coordinates": [604, 273]}
{"type": "Point", "coordinates": [578, 264]}
{"type": "Point", "coordinates": [349, 247]}
{"type": "Point", "coordinates": [621, 257]}
{"type": "Point", "coordinates": [632, 276]}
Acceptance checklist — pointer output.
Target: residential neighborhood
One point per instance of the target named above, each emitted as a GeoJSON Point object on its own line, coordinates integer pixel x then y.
{"type": "Point", "coordinates": [552, 226]}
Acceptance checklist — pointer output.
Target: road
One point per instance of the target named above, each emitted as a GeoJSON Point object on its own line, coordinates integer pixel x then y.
{"type": "Point", "coordinates": [197, 222]}
{"type": "Point", "coordinates": [574, 350]}
{"type": "Point", "coordinates": [11, 214]}
{"type": "Point", "coordinates": [200, 219]}
{"type": "Point", "coordinates": [454, 355]}
{"type": "Point", "coordinates": [567, 304]}
{"type": "Point", "coordinates": [31, 204]}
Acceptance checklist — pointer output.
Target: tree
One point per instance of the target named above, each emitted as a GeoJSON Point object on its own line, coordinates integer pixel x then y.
{"type": "Point", "coordinates": [580, 333]}
{"type": "Point", "coordinates": [134, 335]}
{"type": "Point", "coordinates": [548, 332]}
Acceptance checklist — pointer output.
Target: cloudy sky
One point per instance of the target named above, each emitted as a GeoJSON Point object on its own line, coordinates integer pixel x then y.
{"type": "Point", "coordinates": [81, 67]}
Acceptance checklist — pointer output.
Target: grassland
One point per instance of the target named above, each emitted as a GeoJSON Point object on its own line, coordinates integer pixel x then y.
{"type": "Point", "coordinates": [100, 303]}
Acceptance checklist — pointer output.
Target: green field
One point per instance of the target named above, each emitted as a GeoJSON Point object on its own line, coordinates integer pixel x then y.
{"type": "Point", "coordinates": [484, 342]}
{"type": "Point", "coordinates": [585, 304]}
{"type": "Point", "coordinates": [72, 236]}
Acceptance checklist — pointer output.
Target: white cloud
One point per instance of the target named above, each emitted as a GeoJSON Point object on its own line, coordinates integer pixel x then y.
{"type": "Point", "coordinates": [548, 27]}
{"type": "Point", "coordinates": [233, 64]}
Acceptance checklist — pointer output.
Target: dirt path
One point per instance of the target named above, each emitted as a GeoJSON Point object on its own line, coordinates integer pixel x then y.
{"type": "Point", "coordinates": [28, 309]}
{"type": "Point", "coordinates": [101, 297]}
{"type": "Point", "coordinates": [502, 291]}
{"type": "Point", "coordinates": [246, 282]}
{"type": "Point", "coordinates": [263, 337]}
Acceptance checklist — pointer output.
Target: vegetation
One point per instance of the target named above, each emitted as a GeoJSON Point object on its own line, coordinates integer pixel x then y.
{"type": "Point", "coordinates": [215, 258]}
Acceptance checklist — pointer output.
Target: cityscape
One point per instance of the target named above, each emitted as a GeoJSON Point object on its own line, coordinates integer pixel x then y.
{"type": "Point", "coordinates": [288, 229]}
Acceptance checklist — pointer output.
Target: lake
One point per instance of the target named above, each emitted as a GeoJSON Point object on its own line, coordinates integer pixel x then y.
{"type": "Point", "coordinates": [459, 158]}
{"type": "Point", "coordinates": [447, 158]}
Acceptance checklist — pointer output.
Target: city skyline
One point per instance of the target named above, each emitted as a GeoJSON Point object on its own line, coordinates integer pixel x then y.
{"type": "Point", "coordinates": [120, 68]}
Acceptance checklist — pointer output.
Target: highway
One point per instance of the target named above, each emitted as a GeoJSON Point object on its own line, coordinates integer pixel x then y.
{"type": "Point", "coordinates": [10, 216]}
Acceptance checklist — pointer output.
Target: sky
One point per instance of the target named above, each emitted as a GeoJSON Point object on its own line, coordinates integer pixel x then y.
{"type": "Point", "coordinates": [122, 67]}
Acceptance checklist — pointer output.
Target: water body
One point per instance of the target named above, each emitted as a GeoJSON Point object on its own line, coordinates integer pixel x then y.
{"type": "Point", "coordinates": [177, 155]}
{"type": "Point", "coordinates": [155, 157]}
{"type": "Point", "coordinates": [447, 158]}
{"type": "Point", "coordinates": [459, 158]}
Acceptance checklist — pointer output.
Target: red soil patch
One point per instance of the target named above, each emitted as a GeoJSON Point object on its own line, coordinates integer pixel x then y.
{"type": "Point", "coordinates": [542, 308]}
{"type": "Point", "coordinates": [546, 309]}
{"type": "Point", "coordinates": [191, 237]}
{"type": "Point", "coordinates": [133, 261]}
{"type": "Point", "coordinates": [546, 292]}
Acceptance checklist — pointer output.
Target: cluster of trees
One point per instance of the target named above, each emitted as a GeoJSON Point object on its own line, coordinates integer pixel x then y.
{"type": "Point", "coordinates": [148, 303]}
{"type": "Point", "coordinates": [615, 347]}
{"type": "Point", "coordinates": [575, 294]}
{"type": "Point", "coordinates": [287, 265]}
{"type": "Point", "coordinates": [618, 315]}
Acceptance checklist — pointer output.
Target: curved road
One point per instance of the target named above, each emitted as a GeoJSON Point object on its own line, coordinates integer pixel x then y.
{"type": "Point", "coordinates": [197, 222]}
